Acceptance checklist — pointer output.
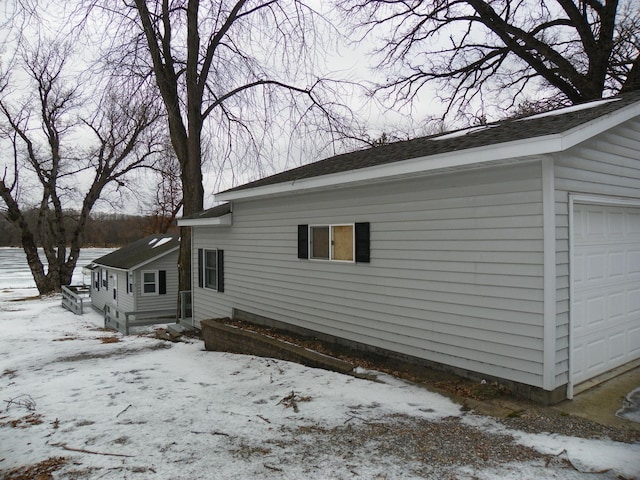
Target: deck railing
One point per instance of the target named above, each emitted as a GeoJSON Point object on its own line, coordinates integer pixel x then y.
{"type": "Point", "coordinates": [73, 297]}
{"type": "Point", "coordinates": [124, 321]}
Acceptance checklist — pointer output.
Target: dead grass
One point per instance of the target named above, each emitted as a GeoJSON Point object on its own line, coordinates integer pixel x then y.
{"type": "Point", "coordinates": [109, 339]}
{"type": "Point", "coordinates": [39, 471]}
{"type": "Point", "coordinates": [22, 422]}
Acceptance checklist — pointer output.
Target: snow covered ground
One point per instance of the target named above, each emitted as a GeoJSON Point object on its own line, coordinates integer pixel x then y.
{"type": "Point", "coordinates": [137, 407]}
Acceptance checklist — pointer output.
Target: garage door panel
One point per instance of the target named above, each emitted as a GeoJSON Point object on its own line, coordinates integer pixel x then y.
{"type": "Point", "coordinates": [633, 263]}
{"type": "Point", "coordinates": [633, 223]}
{"type": "Point", "coordinates": [596, 354]}
{"type": "Point", "coordinates": [633, 300]}
{"type": "Point", "coordinates": [606, 289]}
{"type": "Point", "coordinates": [634, 342]}
{"type": "Point", "coordinates": [617, 346]}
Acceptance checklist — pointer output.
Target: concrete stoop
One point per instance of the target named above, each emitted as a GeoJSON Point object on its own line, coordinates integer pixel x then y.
{"type": "Point", "coordinates": [218, 336]}
{"type": "Point", "coordinates": [181, 328]}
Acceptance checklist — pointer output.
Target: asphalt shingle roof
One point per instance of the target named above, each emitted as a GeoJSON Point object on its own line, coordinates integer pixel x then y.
{"type": "Point", "coordinates": [215, 212]}
{"type": "Point", "coordinates": [491, 134]}
{"type": "Point", "coordinates": [140, 251]}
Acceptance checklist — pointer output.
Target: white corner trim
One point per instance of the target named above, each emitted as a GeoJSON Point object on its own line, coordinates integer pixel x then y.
{"type": "Point", "coordinates": [549, 275]}
{"type": "Point", "coordinates": [224, 220]}
{"type": "Point", "coordinates": [570, 384]}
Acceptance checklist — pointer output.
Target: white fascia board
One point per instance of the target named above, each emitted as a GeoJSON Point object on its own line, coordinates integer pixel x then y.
{"type": "Point", "coordinates": [108, 267]}
{"type": "Point", "coordinates": [425, 164]}
{"type": "Point", "coordinates": [589, 130]}
{"type": "Point", "coordinates": [224, 220]}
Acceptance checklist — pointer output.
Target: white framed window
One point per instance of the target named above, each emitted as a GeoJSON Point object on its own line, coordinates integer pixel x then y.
{"type": "Point", "coordinates": [105, 278]}
{"type": "Point", "coordinates": [332, 242]}
{"type": "Point", "coordinates": [149, 282]}
{"type": "Point", "coordinates": [130, 283]}
{"type": "Point", "coordinates": [210, 268]}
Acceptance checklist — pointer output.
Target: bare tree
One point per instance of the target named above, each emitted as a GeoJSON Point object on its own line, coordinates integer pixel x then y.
{"type": "Point", "coordinates": [65, 149]}
{"type": "Point", "coordinates": [166, 200]}
{"type": "Point", "coordinates": [235, 69]}
{"type": "Point", "coordinates": [567, 51]}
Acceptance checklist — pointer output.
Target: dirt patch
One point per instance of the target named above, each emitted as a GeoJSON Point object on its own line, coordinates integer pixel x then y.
{"type": "Point", "coordinates": [109, 339]}
{"type": "Point", "coordinates": [40, 471]}
{"type": "Point", "coordinates": [486, 398]}
{"type": "Point", "coordinates": [118, 353]}
{"type": "Point", "coordinates": [9, 373]}
{"type": "Point", "coordinates": [25, 299]}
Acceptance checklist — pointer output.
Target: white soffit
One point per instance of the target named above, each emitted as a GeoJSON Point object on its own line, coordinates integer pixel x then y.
{"type": "Point", "coordinates": [223, 220]}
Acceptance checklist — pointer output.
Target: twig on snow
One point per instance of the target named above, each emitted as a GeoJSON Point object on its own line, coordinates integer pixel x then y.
{"type": "Point", "coordinates": [22, 401]}
{"type": "Point", "coordinates": [82, 450]}
{"type": "Point", "coordinates": [292, 400]}
{"type": "Point", "coordinates": [129, 406]}
{"type": "Point", "coordinates": [215, 432]}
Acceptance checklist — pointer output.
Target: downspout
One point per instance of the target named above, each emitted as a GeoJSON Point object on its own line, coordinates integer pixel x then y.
{"type": "Point", "coordinates": [549, 274]}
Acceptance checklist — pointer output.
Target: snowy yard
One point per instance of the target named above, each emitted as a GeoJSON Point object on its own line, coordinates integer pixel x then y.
{"type": "Point", "coordinates": [138, 407]}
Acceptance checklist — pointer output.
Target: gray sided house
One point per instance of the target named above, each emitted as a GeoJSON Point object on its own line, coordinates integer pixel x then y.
{"type": "Point", "coordinates": [138, 283]}
{"type": "Point", "coordinates": [509, 251]}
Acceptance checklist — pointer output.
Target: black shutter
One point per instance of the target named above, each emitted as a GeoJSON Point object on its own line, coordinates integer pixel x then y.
{"type": "Point", "coordinates": [363, 252]}
{"type": "Point", "coordinates": [221, 270]}
{"type": "Point", "coordinates": [200, 268]}
{"type": "Point", "coordinates": [162, 282]}
{"type": "Point", "coordinates": [303, 241]}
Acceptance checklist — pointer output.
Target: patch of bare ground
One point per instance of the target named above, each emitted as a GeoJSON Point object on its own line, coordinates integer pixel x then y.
{"type": "Point", "coordinates": [486, 398]}
{"type": "Point", "coordinates": [40, 471]}
{"type": "Point", "coordinates": [112, 339]}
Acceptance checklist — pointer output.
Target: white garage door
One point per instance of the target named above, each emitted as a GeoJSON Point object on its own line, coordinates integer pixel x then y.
{"type": "Point", "coordinates": [606, 289]}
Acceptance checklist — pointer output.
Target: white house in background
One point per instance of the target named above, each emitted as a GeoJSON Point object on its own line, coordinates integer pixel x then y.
{"type": "Point", "coordinates": [141, 277]}
{"type": "Point", "coordinates": [509, 251]}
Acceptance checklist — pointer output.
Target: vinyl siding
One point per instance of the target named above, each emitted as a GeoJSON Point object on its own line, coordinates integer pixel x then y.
{"type": "Point", "coordinates": [100, 295]}
{"type": "Point", "coordinates": [125, 302]}
{"type": "Point", "coordinates": [455, 274]}
{"type": "Point", "coordinates": [169, 263]}
{"type": "Point", "coordinates": [608, 164]}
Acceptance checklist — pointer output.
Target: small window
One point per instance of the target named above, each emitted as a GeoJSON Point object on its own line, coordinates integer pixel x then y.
{"type": "Point", "coordinates": [332, 242]}
{"type": "Point", "coordinates": [149, 283]}
{"type": "Point", "coordinates": [130, 283]}
{"type": "Point", "coordinates": [105, 278]}
{"type": "Point", "coordinates": [211, 269]}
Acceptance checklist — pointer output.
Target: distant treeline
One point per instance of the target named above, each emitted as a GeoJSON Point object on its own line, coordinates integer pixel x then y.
{"type": "Point", "coordinates": [103, 229]}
